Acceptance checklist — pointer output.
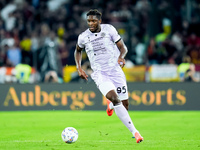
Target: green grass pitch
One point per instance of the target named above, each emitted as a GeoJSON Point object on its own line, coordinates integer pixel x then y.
{"type": "Point", "coordinates": [41, 130]}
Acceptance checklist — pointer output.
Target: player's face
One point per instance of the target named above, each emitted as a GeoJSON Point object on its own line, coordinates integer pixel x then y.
{"type": "Point", "coordinates": [93, 23]}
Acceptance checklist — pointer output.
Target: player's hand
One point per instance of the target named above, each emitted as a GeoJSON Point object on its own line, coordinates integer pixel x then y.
{"type": "Point", "coordinates": [121, 62]}
{"type": "Point", "coordinates": [82, 74]}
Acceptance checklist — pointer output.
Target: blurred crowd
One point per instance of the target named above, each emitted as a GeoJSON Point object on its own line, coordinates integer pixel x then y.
{"type": "Point", "coordinates": [42, 34]}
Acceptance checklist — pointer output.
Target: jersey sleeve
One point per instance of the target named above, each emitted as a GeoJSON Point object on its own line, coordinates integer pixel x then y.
{"type": "Point", "coordinates": [80, 42]}
{"type": "Point", "coordinates": [114, 34]}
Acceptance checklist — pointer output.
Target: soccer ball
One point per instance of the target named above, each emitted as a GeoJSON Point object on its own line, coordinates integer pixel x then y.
{"type": "Point", "coordinates": [69, 135]}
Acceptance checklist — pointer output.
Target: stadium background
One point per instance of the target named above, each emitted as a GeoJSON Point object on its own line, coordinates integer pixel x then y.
{"type": "Point", "coordinates": [38, 38]}
{"type": "Point", "coordinates": [40, 88]}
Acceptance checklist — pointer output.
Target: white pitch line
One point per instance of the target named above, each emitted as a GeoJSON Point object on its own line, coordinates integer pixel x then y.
{"type": "Point", "coordinates": [27, 141]}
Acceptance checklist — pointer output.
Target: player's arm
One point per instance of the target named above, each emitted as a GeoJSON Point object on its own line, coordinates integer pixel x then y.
{"type": "Point", "coordinates": [123, 51]}
{"type": "Point", "coordinates": [78, 59]}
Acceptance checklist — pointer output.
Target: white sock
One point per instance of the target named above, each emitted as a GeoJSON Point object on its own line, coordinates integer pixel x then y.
{"type": "Point", "coordinates": [123, 115]}
{"type": "Point", "coordinates": [111, 105]}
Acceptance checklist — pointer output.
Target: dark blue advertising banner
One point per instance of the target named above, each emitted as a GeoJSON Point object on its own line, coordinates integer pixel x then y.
{"type": "Point", "coordinates": [83, 96]}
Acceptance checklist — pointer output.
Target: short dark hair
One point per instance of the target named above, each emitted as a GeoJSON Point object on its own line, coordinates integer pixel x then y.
{"type": "Point", "coordinates": [94, 12]}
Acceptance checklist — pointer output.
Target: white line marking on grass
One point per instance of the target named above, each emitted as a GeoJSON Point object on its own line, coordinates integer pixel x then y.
{"type": "Point", "coordinates": [27, 141]}
{"type": "Point", "coordinates": [190, 140]}
{"type": "Point", "coordinates": [109, 141]}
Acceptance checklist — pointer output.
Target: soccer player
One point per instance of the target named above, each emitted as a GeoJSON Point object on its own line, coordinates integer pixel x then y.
{"type": "Point", "coordinates": [106, 51]}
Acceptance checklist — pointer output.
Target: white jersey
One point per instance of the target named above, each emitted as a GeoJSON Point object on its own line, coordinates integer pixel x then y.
{"type": "Point", "coordinates": [100, 47]}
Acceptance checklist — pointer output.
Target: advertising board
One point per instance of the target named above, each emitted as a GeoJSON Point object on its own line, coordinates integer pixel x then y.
{"type": "Point", "coordinates": [82, 96]}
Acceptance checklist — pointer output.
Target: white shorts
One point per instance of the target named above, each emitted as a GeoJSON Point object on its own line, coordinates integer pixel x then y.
{"type": "Point", "coordinates": [111, 80]}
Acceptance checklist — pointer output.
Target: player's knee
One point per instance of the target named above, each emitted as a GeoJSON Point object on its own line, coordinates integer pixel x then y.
{"type": "Point", "coordinates": [114, 99]}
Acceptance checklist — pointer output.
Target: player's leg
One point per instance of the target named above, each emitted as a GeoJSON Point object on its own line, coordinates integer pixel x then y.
{"type": "Point", "coordinates": [109, 91]}
{"type": "Point", "coordinates": [123, 115]}
{"type": "Point", "coordinates": [104, 88]}
{"type": "Point", "coordinates": [110, 106]}
{"type": "Point", "coordinates": [120, 86]}
{"type": "Point", "coordinates": [102, 81]}
{"type": "Point", "coordinates": [119, 80]}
